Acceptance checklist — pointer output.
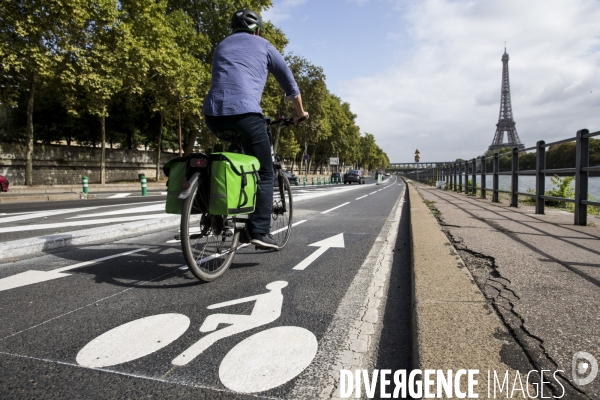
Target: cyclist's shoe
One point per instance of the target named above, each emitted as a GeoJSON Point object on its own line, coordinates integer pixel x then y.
{"type": "Point", "coordinates": [244, 236]}
{"type": "Point", "coordinates": [264, 241]}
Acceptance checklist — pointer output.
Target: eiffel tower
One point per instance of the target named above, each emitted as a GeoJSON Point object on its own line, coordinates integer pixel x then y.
{"type": "Point", "coordinates": [506, 122]}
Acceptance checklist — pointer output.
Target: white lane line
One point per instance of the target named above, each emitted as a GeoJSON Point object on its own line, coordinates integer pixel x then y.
{"type": "Point", "coordinates": [331, 209]}
{"type": "Point", "coordinates": [362, 197]}
{"type": "Point", "coordinates": [79, 223]}
{"type": "Point", "coordinates": [144, 209]}
{"type": "Point", "coordinates": [119, 195]}
{"type": "Point", "coordinates": [373, 192]}
{"type": "Point", "coordinates": [83, 264]}
{"type": "Point", "coordinates": [43, 214]}
{"type": "Point", "coordinates": [37, 214]}
{"type": "Point", "coordinates": [31, 277]}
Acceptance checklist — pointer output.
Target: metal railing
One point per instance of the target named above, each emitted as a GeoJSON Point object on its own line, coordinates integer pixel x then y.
{"type": "Point", "coordinates": [452, 173]}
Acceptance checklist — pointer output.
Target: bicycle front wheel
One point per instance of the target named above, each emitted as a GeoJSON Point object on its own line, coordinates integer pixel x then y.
{"type": "Point", "coordinates": [281, 215]}
{"type": "Point", "coordinates": [209, 242]}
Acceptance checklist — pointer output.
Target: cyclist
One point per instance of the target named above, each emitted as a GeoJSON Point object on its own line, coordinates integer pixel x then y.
{"type": "Point", "coordinates": [239, 72]}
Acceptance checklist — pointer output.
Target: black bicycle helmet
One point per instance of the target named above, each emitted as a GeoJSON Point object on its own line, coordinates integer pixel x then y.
{"type": "Point", "coordinates": [245, 20]}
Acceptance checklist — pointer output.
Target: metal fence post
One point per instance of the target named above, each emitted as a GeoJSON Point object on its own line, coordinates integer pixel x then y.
{"type": "Point", "coordinates": [582, 160]}
{"type": "Point", "coordinates": [483, 167]}
{"type": "Point", "coordinates": [466, 177]}
{"type": "Point", "coordinates": [540, 177]}
{"type": "Point", "coordinates": [455, 177]}
{"type": "Point", "coordinates": [467, 188]}
{"type": "Point", "coordinates": [474, 177]}
{"type": "Point", "coordinates": [460, 177]}
{"type": "Point", "coordinates": [496, 168]}
{"type": "Point", "coordinates": [514, 178]}
{"type": "Point", "coordinates": [453, 184]}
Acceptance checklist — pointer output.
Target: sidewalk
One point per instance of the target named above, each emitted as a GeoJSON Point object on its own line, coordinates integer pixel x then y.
{"type": "Point", "coordinates": [536, 299]}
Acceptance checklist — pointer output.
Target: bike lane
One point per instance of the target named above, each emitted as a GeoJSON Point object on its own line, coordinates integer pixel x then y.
{"type": "Point", "coordinates": [137, 313]}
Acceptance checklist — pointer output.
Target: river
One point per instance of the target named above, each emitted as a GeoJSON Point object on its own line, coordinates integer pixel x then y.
{"type": "Point", "coordinates": [528, 182]}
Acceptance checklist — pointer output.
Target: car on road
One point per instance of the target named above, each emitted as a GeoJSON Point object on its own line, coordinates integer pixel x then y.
{"type": "Point", "coordinates": [3, 184]}
{"type": "Point", "coordinates": [291, 177]}
{"type": "Point", "coordinates": [336, 176]}
{"type": "Point", "coordinates": [354, 175]}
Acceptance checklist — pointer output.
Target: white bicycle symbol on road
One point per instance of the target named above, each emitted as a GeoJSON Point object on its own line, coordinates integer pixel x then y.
{"type": "Point", "coordinates": [260, 362]}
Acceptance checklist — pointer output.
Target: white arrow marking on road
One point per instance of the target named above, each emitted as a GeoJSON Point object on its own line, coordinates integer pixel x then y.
{"type": "Point", "coordinates": [334, 241]}
{"type": "Point", "coordinates": [31, 277]}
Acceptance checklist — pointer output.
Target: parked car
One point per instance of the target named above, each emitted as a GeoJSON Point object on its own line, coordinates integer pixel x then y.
{"type": "Point", "coordinates": [336, 177]}
{"type": "Point", "coordinates": [354, 175]}
{"type": "Point", "coordinates": [3, 184]}
{"type": "Point", "coordinates": [291, 177]}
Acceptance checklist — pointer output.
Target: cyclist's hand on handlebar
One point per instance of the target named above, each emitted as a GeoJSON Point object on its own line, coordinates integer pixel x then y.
{"type": "Point", "coordinates": [299, 119]}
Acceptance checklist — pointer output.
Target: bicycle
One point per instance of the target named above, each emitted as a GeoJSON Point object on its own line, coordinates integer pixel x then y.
{"type": "Point", "coordinates": [209, 242]}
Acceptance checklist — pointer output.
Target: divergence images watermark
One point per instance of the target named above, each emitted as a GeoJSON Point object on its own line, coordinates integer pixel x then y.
{"type": "Point", "coordinates": [431, 384]}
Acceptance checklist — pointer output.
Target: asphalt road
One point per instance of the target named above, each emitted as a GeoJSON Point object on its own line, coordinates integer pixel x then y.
{"type": "Point", "coordinates": [137, 325]}
{"type": "Point", "coordinates": [35, 219]}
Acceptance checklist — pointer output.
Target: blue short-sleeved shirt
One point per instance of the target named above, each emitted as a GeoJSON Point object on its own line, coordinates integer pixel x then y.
{"type": "Point", "coordinates": [239, 72]}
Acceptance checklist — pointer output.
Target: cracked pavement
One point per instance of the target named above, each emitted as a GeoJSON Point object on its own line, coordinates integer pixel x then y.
{"type": "Point", "coordinates": [541, 274]}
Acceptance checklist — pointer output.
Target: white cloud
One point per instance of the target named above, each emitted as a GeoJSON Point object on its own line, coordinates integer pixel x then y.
{"type": "Point", "coordinates": [443, 95]}
{"type": "Point", "coordinates": [283, 11]}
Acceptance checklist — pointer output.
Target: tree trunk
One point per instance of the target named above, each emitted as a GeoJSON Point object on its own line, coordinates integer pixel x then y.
{"type": "Point", "coordinates": [102, 150]}
{"type": "Point", "coordinates": [129, 135]}
{"type": "Point", "coordinates": [316, 163]}
{"type": "Point", "coordinates": [179, 124]}
{"type": "Point", "coordinates": [29, 154]}
{"type": "Point", "coordinates": [158, 148]}
{"type": "Point", "coordinates": [293, 165]}
{"type": "Point", "coordinates": [310, 160]}
{"type": "Point", "coordinates": [190, 139]}
{"type": "Point", "coordinates": [276, 140]}
{"type": "Point", "coordinates": [8, 116]}
{"type": "Point", "coordinates": [323, 159]}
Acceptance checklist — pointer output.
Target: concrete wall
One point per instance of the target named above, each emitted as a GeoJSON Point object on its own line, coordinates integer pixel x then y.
{"type": "Point", "coordinates": [64, 165]}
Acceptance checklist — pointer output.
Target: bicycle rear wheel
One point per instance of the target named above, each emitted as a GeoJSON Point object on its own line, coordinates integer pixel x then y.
{"type": "Point", "coordinates": [209, 242]}
{"type": "Point", "coordinates": [281, 214]}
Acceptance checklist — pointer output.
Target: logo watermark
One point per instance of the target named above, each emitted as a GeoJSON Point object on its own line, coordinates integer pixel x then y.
{"type": "Point", "coordinates": [584, 368]}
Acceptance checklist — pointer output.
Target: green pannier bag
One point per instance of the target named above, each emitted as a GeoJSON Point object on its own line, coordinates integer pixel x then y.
{"type": "Point", "coordinates": [233, 183]}
{"type": "Point", "coordinates": [175, 169]}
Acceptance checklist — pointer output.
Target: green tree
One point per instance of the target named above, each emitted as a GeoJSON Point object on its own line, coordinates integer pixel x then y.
{"type": "Point", "coordinates": [34, 37]}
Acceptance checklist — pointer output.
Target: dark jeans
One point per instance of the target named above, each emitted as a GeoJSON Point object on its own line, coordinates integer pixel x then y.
{"type": "Point", "coordinates": [255, 142]}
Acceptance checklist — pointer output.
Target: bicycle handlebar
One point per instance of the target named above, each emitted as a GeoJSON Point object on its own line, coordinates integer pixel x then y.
{"type": "Point", "coordinates": [286, 121]}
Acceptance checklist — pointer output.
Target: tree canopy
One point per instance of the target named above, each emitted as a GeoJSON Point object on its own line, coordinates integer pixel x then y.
{"type": "Point", "coordinates": [133, 73]}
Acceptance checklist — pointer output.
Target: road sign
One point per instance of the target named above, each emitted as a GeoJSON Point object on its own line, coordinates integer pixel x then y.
{"type": "Point", "coordinates": [306, 157]}
{"type": "Point", "coordinates": [334, 161]}
{"type": "Point", "coordinates": [417, 151]}
{"type": "Point", "coordinates": [417, 158]}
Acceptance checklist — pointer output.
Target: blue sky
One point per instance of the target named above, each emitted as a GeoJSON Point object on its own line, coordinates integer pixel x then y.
{"type": "Point", "coordinates": [426, 74]}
